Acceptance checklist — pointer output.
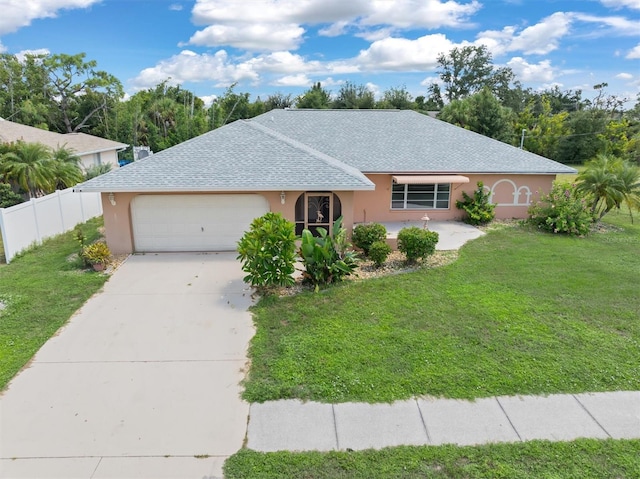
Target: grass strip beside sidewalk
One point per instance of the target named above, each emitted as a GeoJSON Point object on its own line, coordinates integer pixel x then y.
{"type": "Point", "coordinates": [41, 289]}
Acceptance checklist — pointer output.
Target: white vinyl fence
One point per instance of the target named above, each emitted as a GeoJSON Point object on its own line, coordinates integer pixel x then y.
{"type": "Point", "coordinates": [32, 221]}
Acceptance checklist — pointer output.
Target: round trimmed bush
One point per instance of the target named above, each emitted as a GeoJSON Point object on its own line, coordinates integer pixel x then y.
{"type": "Point", "coordinates": [364, 235]}
{"type": "Point", "coordinates": [379, 251]}
{"type": "Point", "coordinates": [417, 243]}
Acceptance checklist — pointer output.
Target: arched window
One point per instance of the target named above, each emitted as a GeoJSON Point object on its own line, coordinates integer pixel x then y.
{"type": "Point", "coordinates": [317, 209]}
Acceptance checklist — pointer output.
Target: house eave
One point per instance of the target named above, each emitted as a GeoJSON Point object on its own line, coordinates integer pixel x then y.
{"type": "Point", "coordinates": [101, 189]}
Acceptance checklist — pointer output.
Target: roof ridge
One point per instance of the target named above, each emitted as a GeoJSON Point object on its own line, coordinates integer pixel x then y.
{"type": "Point", "coordinates": [329, 160]}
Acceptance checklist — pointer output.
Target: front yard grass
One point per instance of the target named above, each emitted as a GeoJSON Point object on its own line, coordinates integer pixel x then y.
{"type": "Point", "coordinates": [41, 289]}
{"type": "Point", "coordinates": [519, 312]}
{"type": "Point", "coordinates": [536, 459]}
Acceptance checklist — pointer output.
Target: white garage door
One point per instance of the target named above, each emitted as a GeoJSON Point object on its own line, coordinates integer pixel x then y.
{"type": "Point", "coordinates": [193, 222]}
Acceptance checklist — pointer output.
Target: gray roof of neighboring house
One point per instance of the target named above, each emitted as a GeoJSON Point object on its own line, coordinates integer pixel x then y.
{"type": "Point", "coordinates": [241, 156]}
{"type": "Point", "coordinates": [319, 150]}
{"type": "Point", "coordinates": [80, 143]}
{"type": "Point", "coordinates": [403, 141]}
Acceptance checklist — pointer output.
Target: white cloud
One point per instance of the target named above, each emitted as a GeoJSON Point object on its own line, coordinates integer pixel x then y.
{"type": "Point", "coordinates": [278, 24]}
{"type": "Point", "coordinates": [529, 72]}
{"type": "Point", "coordinates": [375, 89]}
{"type": "Point", "coordinates": [395, 54]}
{"type": "Point", "coordinates": [176, 7]}
{"type": "Point", "coordinates": [18, 14]}
{"type": "Point", "coordinates": [624, 76]}
{"type": "Point", "coordinates": [420, 13]}
{"type": "Point", "coordinates": [619, 25]}
{"type": "Point", "coordinates": [539, 39]}
{"type": "Point", "coordinates": [293, 80]}
{"type": "Point", "coordinates": [635, 4]}
{"type": "Point", "coordinates": [634, 53]}
{"type": "Point", "coordinates": [2, 48]}
{"type": "Point", "coordinates": [284, 62]}
{"type": "Point", "coordinates": [208, 99]}
{"type": "Point", "coordinates": [21, 55]}
{"type": "Point", "coordinates": [189, 66]}
{"type": "Point", "coordinates": [254, 37]}
{"type": "Point", "coordinates": [335, 29]}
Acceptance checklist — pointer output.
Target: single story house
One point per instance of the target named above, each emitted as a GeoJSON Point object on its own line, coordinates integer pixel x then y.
{"type": "Point", "coordinates": [312, 166]}
{"type": "Point", "coordinates": [92, 150]}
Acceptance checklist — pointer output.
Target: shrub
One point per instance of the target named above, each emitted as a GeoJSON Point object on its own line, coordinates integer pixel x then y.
{"type": "Point", "coordinates": [268, 251]}
{"type": "Point", "coordinates": [364, 235]}
{"type": "Point", "coordinates": [417, 243]}
{"type": "Point", "coordinates": [478, 208]}
{"type": "Point", "coordinates": [327, 258]}
{"type": "Point", "coordinates": [8, 197]}
{"type": "Point", "coordinates": [378, 252]}
{"type": "Point", "coordinates": [96, 253]}
{"type": "Point", "coordinates": [563, 210]}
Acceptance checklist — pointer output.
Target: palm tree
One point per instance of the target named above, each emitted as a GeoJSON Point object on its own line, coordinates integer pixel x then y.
{"type": "Point", "coordinates": [629, 176]}
{"type": "Point", "coordinates": [66, 167]}
{"type": "Point", "coordinates": [30, 167]}
{"type": "Point", "coordinates": [608, 182]}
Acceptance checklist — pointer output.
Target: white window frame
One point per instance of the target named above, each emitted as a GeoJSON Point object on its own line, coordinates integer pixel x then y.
{"type": "Point", "coordinates": [437, 188]}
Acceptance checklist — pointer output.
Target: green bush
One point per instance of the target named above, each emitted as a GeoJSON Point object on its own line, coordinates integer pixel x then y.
{"type": "Point", "coordinates": [478, 208]}
{"type": "Point", "coordinates": [268, 251]}
{"type": "Point", "coordinates": [327, 258]}
{"type": "Point", "coordinates": [364, 235]}
{"type": "Point", "coordinates": [378, 252]}
{"type": "Point", "coordinates": [417, 243]}
{"type": "Point", "coordinates": [8, 197]}
{"type": "Point", "coordinates": [96, 253]}
{"type": "Point", "coordinates": [563, 210]}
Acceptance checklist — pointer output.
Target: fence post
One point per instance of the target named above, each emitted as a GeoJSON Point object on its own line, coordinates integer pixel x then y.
{"type": "Point", "coordinates": [35, 220]}
{"type": "Point", "coordinates": [5, 236]}
{"type": "Point", "coordinates": [61, 210]}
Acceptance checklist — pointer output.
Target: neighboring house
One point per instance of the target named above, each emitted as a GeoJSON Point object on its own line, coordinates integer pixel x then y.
{"type": "Point", "coordinates": [92, 150]}
{"type": "Point", "coordinates": [312, 166]}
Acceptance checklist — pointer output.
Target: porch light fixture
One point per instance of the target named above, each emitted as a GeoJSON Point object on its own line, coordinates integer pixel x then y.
{"type": "Point", "coordinates": [283, 197]}
{"type": "Point", "coordinates": [112, 199]}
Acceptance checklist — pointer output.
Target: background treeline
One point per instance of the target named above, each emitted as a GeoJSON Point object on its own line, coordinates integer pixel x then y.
{"type": "Point", "coordinates": [67, 93]}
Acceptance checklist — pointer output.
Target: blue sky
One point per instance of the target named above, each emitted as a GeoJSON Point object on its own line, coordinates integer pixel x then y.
{"type": "Point", "coordinates": [269, 46]}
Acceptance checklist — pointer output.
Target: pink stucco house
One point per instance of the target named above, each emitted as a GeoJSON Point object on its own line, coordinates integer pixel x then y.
{"type": "Point", "coordinates": [312, 166]}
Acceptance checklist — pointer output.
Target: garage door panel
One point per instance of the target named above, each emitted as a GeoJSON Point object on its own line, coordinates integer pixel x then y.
{"type": "Point", "coordinates": [193, 222]}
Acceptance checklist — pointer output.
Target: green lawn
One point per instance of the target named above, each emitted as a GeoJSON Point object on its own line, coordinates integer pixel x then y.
{"type": "Point", "coordinates": [582, 459]}
{"type": "Point", "coordinates": [520, 312]}
{"type": "Point", "coordinates": [41, 290]}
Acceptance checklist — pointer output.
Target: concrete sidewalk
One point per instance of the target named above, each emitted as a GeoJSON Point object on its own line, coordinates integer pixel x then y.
{"type": "Point", "coordinates": [296, 426]}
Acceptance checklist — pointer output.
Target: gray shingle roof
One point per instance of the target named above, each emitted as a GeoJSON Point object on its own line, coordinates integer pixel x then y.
{"type": "Point", "coordinates": [242, 156]}
{"type": "Point", "coordinates": [320, 150]}
{"type": "Point", "coordinates": [80, 143]}
{"type": "Point", "coordinates": [403, 141]}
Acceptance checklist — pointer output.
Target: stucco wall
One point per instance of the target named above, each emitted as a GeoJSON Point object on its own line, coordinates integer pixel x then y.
{"type": "Point", "coordinates": [106, 157]}
{"type": "Point", "coordinates": [119, 231]}
{"type": "Point", "coordinates": [376, 205]}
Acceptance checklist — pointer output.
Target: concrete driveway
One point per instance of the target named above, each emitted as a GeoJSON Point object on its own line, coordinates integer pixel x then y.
{"type": "Point", "coordinates": [143, 381]}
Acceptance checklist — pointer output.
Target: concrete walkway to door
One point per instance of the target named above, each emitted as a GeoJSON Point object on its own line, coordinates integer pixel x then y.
{"type": "Point", "coordinates": [142, 382]}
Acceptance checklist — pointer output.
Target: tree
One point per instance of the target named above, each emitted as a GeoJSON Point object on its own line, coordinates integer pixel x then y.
{"type": "Point", "coordinates": [543, 130]}
{"type": "Point", "coordinates": [352, 96]}
{"type": "Point", "coordinates": [481, 113]}
{"type": "Point", "coordinates": [467, 70]}
{"type": "Point", "coordinates": [30, 167]}
{"type": "Point", "coordinates": [583, 141]}
{"type": "Point", "coordinates": [278, 101]}
{"type": "Point", "coordinates": [316, 97]}
{"type": "Point", "coordinates": [608, 182]}
{"type": "Point", "coordinates": [75, 85]}
{"type": "Point", "coordinates": [398, 98]}
{"type": "Point", "coordinates": [39, 170]}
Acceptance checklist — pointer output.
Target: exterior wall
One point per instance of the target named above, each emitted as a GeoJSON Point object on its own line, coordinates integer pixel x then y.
{"type": "Point", "coordinates": [106, 157]}
{"type": "Point", "coordinates": [119, 231]}
{"type": "Point", "coordinates": [512, 193]}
